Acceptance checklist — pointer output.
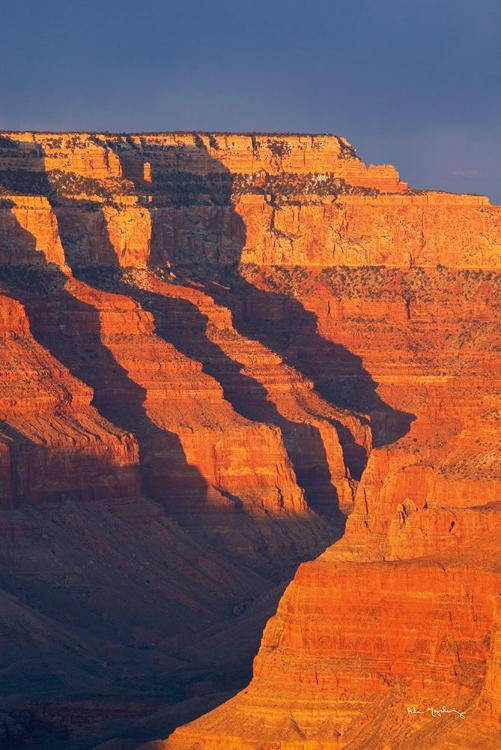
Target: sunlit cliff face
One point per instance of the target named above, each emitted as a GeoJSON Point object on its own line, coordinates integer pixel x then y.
{"type": "Point", "coordinates": [243, 343]}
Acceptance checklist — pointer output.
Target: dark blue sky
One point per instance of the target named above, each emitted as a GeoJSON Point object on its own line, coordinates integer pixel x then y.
{"type": "Point", "coordinates": [415, 83]}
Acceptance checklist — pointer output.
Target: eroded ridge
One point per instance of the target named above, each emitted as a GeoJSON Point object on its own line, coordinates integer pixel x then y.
{"type": "Point", "coordinates": [243, 339]}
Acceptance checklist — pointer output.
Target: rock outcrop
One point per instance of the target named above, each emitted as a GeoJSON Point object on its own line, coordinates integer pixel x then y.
{"type": "Point", "coordinates": [251, 337]}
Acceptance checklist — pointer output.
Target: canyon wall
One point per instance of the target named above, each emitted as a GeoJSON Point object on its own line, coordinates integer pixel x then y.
{"type": "Point", "coordinates": [259, 336]}
{"type": "Point", "coordinates": [399, 616]}
{"type": "Point", "coordinates": [270, 200]}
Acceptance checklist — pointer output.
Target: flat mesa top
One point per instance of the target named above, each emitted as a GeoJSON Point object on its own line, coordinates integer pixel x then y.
{"type": "Point", "coordinates": [222, 133]}
{"type": "Point", "coordinates": [144, 156]}
{"type": "Point", "coordinates": [280, 143]}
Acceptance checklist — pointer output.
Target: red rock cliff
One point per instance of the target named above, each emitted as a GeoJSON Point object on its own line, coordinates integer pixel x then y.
{"type": "Point", "coordinates": [260, 333]}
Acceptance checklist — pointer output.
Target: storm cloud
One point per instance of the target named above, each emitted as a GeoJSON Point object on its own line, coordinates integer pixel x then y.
{"type": "Point", "coordinates": [415, 83]}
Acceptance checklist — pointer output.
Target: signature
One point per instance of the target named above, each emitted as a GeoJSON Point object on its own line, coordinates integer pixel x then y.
{"type": "Point", "coordinates": [436, 712]}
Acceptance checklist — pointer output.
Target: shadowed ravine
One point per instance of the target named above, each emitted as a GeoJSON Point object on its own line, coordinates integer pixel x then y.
{"type": "Point", "coordinates": [337, 373]}
{"type": "Point", "coordinates": [209, 566]}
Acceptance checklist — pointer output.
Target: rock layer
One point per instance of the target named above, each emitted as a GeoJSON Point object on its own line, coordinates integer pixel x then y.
{"type": "Point", "coordinates": [401, 613]}
{"type": "Point", "coordinates": [55, 444]}
{"type": "Point", "coordinates": [262, 335]}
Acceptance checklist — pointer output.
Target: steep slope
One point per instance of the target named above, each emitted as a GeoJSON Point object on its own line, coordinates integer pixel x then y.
{"type": "Point", "coordinates": [98, 586]}
{"type": "Point", "coordinates": [45, 414]}
{"type": "Point", "coordinates": [247, 337]}
{"type": "Point", "coordinates": [400, 615]}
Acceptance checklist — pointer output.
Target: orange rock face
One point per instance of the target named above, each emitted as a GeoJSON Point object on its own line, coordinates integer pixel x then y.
{"type": "Point", "coordinates": [45, 413]}
{"type": "Point", "coordinates": [341, 662]}
{"type": "Point", "coordinates": [262, 335]}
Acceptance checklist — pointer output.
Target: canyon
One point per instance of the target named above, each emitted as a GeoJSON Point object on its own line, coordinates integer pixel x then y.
{"type": "Point", "coordinates": [229, 361]}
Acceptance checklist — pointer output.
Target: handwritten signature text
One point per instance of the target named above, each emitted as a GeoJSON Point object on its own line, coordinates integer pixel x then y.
{"type": "Point", "coordinates": [436, 712]}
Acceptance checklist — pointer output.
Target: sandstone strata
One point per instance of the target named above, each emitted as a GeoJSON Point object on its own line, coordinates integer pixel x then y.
{"type": "Point", "coordinates": [261, 334]}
